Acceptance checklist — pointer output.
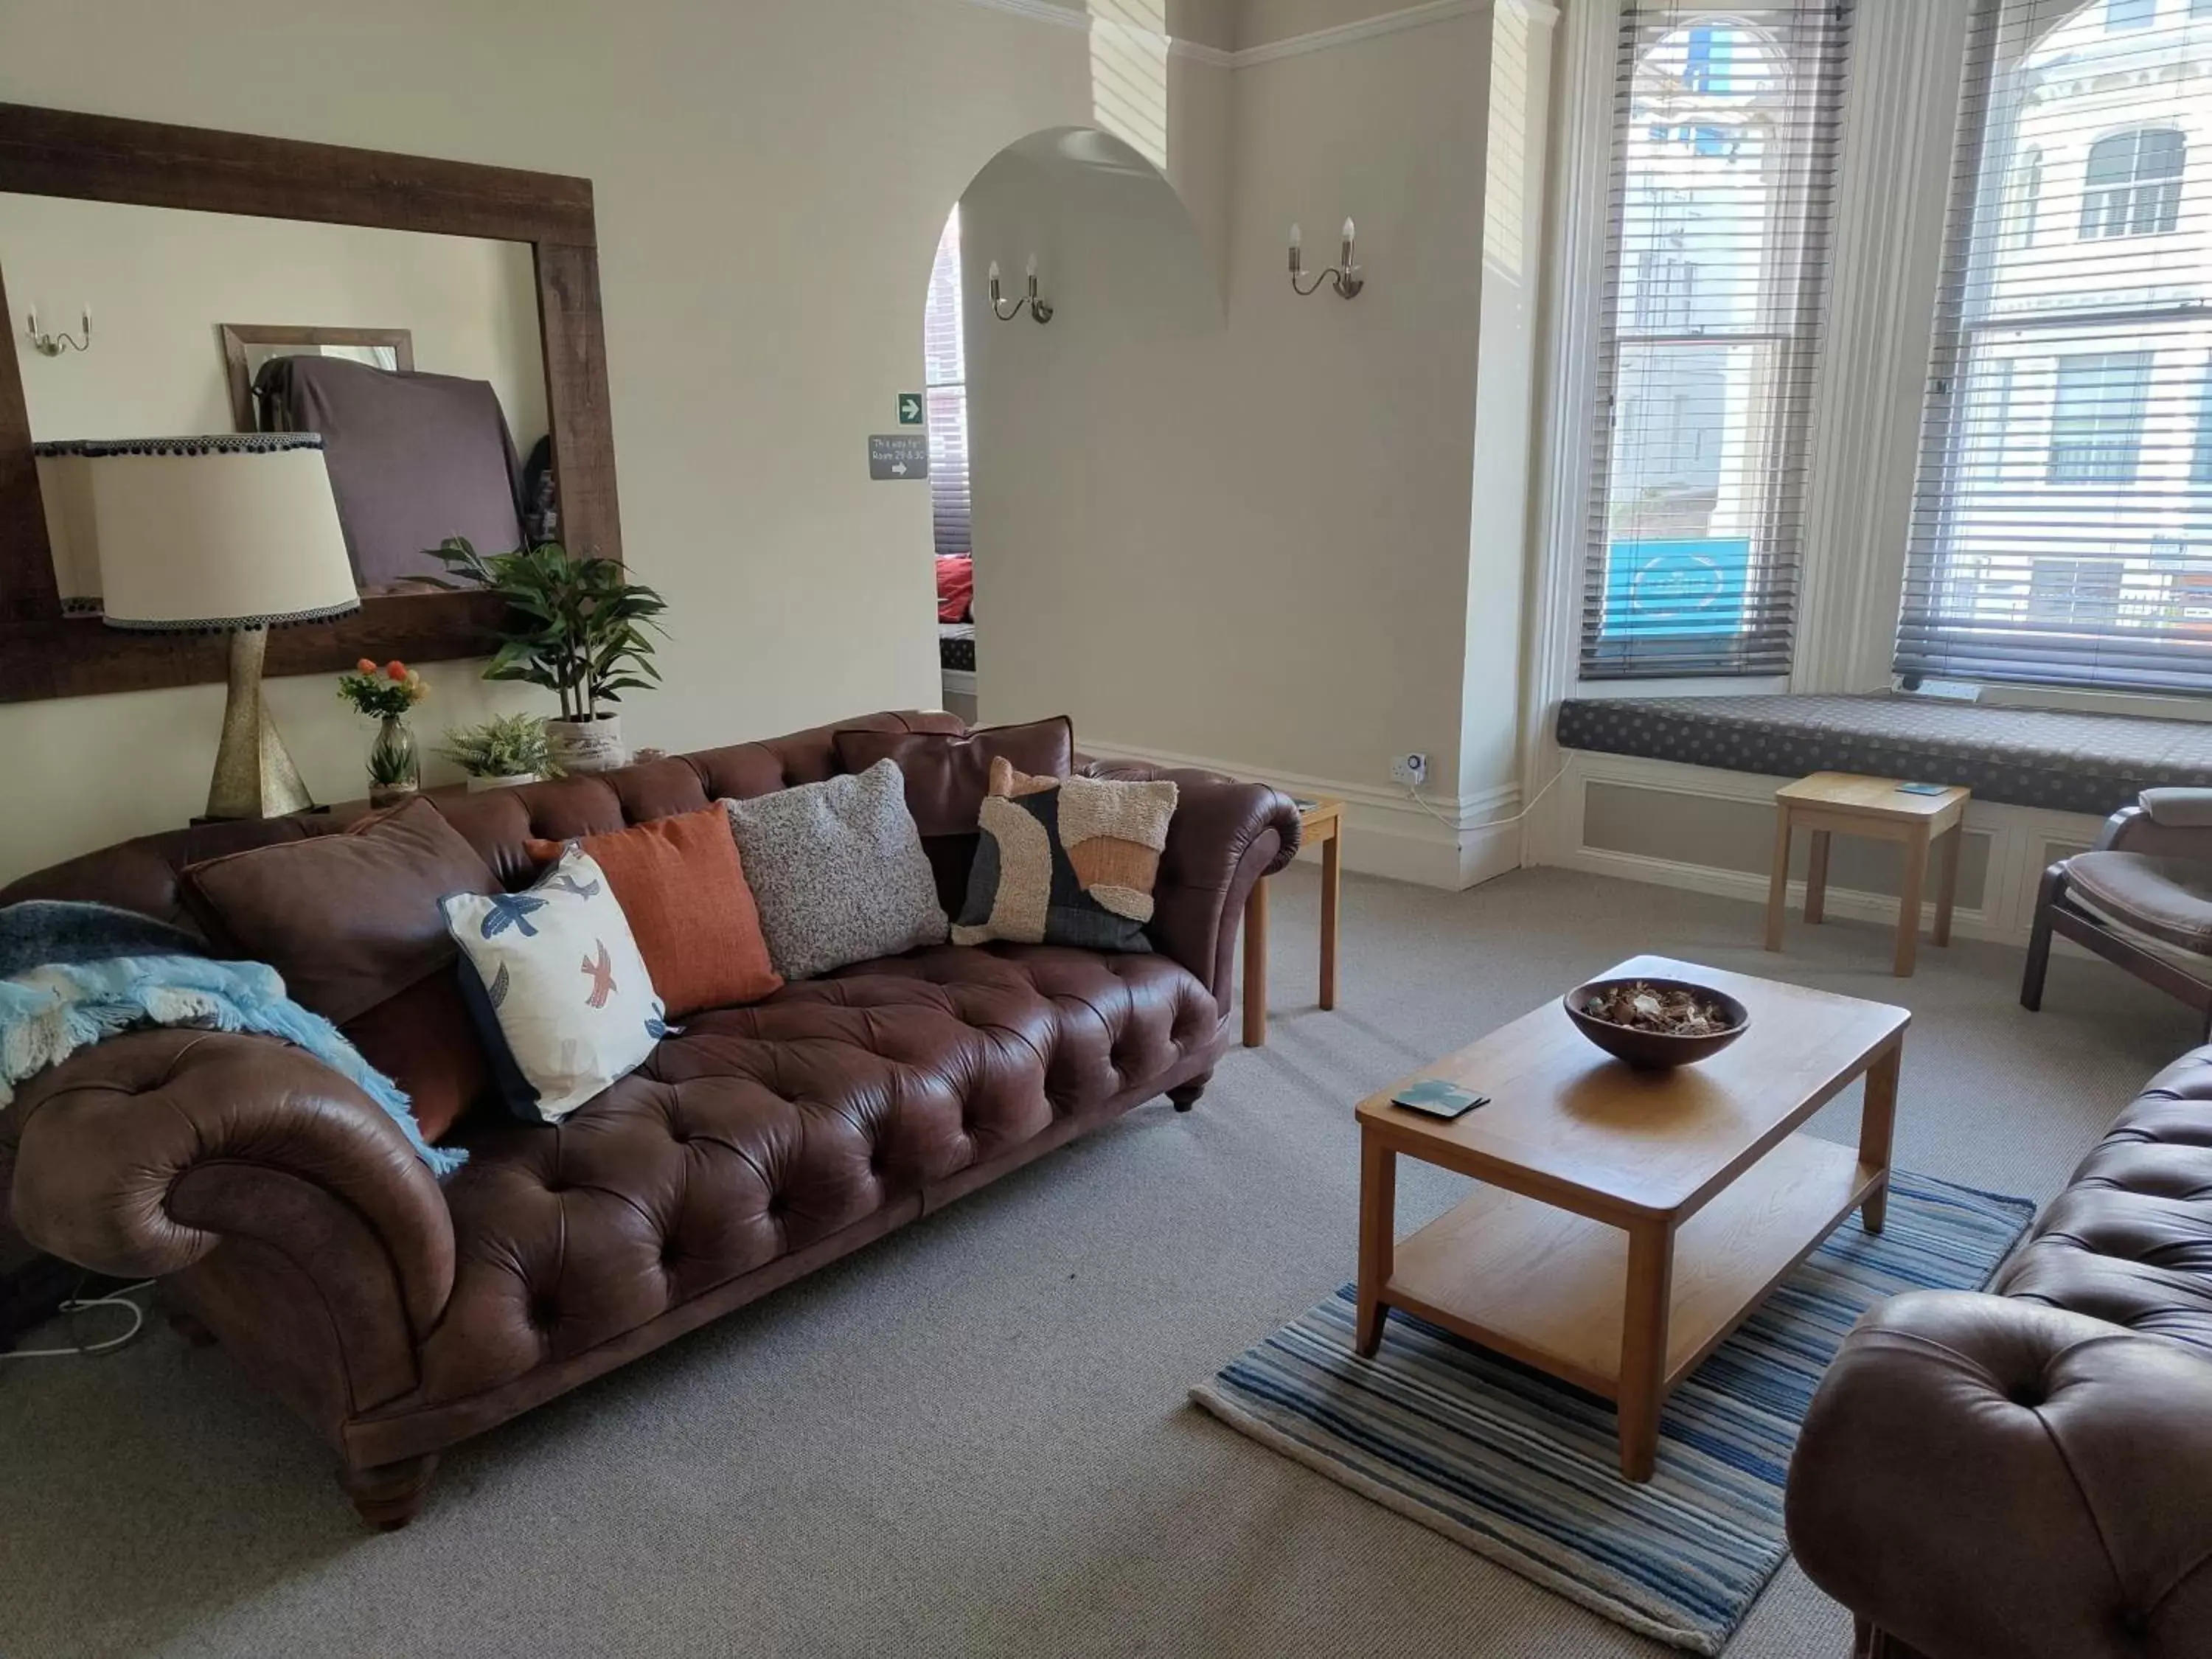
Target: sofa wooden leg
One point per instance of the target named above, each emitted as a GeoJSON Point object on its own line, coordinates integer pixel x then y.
{"type": "Point", "coordinates": [390, 1495]}
{"type": "Point", "coordinates": [2039, 941]}
{"type": "Point", "coordinates": [1185, 1095]}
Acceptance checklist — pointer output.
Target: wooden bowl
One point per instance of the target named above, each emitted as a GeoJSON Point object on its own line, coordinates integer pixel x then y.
{"type": "Point", "coordinates": [1655, 1051]}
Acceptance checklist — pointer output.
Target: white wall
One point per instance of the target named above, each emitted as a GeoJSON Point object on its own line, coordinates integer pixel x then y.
{"type": "Point", "coordinates": [1247, 536]}
{"type": "Point", "coordinates": [771, 180]}
{"type": "Point", "coordinates": [160, 281]}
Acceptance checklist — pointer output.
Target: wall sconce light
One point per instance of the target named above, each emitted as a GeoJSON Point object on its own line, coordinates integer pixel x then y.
{"type": "Point", "coordinates": [53, 345]}
{"type": "Point", "coordinates": [1344, 274]}
{"type": "Point", "coordinates": [1036, 308]}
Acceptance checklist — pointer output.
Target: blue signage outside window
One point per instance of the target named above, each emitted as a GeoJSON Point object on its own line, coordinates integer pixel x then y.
{"type": "Point", "coordinates": [1665, 590]}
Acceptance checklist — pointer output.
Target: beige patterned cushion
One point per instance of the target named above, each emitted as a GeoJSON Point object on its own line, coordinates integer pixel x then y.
{"type": "Point", "coordinates": [1066, 861]}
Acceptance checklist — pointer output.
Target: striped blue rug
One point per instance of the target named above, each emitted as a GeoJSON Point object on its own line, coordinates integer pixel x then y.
{"type": "Point", "coordinates": [1526, 1471]}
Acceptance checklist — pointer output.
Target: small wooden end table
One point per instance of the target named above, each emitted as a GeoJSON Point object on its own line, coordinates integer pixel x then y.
{"type": "Point", "coordinates": [1881, 809]}
{"type": "Point", "coordinates": [1321, 822]}
{"type": "Point", "coordinates": [1628, 1221]}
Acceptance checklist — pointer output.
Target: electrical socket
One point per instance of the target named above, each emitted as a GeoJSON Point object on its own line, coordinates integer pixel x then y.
{"type": "Point", "coordinates": [1411, 770]}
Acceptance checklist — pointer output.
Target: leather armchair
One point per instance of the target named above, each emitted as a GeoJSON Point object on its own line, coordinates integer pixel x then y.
{"type": "Point", "coordinates": [2141, 898]}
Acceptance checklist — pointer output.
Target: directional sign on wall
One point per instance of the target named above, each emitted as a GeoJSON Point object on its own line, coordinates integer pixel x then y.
{"type": "Point", "coordinates": [909, 409]}
{"type": "Point", "coordinates": [896, 455]}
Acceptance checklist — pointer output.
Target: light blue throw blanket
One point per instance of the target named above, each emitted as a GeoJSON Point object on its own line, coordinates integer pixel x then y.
{"type": "Point", "coordinates": [49, 1012]}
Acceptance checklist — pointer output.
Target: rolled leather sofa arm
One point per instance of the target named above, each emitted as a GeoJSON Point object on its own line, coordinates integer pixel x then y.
{"type": "Point", "coordinates": [127, 1158]}
{"type": "Point", "coordinates": [1226, 835]}
{"type": "Point", "coordinates": [1981, 1477]}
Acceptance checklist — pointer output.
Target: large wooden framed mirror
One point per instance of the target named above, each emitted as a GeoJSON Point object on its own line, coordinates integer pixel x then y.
{"type": "Point", "coordinates": [490, 274]}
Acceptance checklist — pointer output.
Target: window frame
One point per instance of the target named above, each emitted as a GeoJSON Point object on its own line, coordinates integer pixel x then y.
{"type": "Point", "coordinates": [1941, 390]}
{"type": "Point", "coordinates": [1789, 376]}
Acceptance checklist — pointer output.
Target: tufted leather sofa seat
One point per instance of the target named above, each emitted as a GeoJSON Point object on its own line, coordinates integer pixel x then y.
{"type": "Point", "coordinates": [290, 1220]}
{"type": "Point", "coordinates": [2027, 1473]}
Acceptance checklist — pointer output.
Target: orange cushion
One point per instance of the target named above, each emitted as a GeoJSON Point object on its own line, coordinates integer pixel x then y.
{"type": "Point", "coordinates": [681, 884]}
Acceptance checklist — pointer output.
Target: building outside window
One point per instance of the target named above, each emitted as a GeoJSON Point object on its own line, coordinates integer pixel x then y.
{"type": "Point", "coordinates": [945, 374]}
{"type": "Point", "coordinates": [2097, 417]}
{"type": "Point", "coordinates": [2064, 446]}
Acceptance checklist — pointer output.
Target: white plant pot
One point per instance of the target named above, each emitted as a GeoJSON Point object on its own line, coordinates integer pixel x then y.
{"type": "Point", "coordinates": [593, 745]}
{"type": "Point", "coordinates": [512, 780]}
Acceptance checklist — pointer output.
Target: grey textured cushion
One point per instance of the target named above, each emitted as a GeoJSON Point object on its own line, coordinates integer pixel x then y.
{"type": "Point", "coordinates": [837, 870]}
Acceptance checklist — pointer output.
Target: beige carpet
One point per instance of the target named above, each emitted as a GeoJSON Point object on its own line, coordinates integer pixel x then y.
{"type": "Point", "coordinates": [973, 1438]}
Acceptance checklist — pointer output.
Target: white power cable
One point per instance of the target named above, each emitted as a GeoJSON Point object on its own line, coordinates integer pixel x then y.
{"type": "Point", "coordinates": [1421, 801]}
{"type": "Point", "coordinates": [82, 1304]}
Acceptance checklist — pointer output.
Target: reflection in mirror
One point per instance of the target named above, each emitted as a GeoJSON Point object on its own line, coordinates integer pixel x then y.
{"type": "Point", "coordinates": [417, 356]}
{"type": "Point", "coordinates": [247, 349]}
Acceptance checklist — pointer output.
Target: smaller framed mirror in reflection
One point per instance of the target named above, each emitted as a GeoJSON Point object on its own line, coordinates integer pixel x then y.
{"type": "Point", "coordinates": [247, 346]}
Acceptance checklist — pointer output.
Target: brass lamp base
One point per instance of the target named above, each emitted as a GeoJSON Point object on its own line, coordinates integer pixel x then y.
{"type": "Point", "coordinates": [254, 777]}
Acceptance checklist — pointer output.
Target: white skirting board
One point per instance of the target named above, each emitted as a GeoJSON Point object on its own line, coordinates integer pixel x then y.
{"type": "Point", "coordinates": [1452, 844]}
{"type": "Point", "coordinates": [2021, 842]}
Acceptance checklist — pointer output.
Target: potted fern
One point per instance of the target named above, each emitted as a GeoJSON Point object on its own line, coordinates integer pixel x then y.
{"type": "Point", "coordinates": [576, 627]}
{"type": "Point", "coordinates": [503, 752]}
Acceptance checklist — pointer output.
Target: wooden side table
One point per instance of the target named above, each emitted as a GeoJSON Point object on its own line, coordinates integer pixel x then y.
{"type": "Point", "coordinates": [1322, 821]}
{"type": "Point", "coordinates": [1832, 803]}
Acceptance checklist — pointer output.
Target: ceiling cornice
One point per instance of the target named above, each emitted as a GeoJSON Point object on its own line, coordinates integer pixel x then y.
{"type": "Point", "coordinates": [1540, 12]}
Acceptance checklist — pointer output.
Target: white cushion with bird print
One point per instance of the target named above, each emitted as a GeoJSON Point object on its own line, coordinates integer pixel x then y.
{"type": "Point", "coordinates": [558, 987]}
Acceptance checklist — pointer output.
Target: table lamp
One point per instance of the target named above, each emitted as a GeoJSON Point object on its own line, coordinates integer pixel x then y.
{"type": "Point", "coordinates": [229, 535]}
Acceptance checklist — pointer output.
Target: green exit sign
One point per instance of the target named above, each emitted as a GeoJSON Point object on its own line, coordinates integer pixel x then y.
{"type": "Point", "coordinates": [910, 408]}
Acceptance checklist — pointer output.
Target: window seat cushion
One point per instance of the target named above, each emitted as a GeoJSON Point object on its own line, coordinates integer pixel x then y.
{"type": "Point", "coordinates": [2064, 762]}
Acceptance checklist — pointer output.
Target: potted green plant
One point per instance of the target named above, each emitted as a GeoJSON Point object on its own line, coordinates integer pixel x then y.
{"type": "Point", "coordinates": [386, 695]}
{"type": "Point", "coordinates": [575, 626]}
{"type": "Point", "coordinates": [507, 749]}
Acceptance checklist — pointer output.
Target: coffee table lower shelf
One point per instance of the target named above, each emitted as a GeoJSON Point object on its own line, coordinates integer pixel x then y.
{"type": "Point", "coordinates": [1550, 1288]}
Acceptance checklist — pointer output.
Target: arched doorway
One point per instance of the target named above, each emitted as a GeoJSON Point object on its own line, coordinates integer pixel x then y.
{"type": "Point", "coordinates": [1124, 269]}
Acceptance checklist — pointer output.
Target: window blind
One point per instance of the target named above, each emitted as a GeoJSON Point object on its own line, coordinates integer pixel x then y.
{"type": "Point", "coordinates": [944, 376]}
{"type": "Point", "coordinates": [2062, 529]}
{"type": "Point", "coordinates": [1727, 124]}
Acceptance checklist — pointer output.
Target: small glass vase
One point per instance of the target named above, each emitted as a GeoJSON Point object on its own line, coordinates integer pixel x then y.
{"type": "Point", "coordinates": [394, 771]}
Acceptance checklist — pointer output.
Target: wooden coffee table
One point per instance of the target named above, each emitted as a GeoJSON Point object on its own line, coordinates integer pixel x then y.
{"type": "Point", "coordinates": [1628, 1221]}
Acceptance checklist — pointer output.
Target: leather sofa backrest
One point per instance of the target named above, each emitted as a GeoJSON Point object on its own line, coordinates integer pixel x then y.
{"type": "Point", "coordinates": [141, 874]}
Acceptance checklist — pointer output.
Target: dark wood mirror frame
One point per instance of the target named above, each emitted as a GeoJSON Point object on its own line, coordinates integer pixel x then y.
{"type": "Point", "coordinates": [46, 152]}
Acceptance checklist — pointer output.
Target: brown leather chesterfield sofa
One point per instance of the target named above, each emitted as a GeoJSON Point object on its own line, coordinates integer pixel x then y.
{"type": "Point", "coordinates": [2027, 1473]}
{"type": "Point", "coordinates": [286, 1215]}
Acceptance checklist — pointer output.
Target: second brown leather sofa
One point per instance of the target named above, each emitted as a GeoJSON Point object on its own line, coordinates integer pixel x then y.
{"type": "Point", "coordinates": [287, 1215]}
{"type": "Point", "coordinates": [2027, 1473]}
